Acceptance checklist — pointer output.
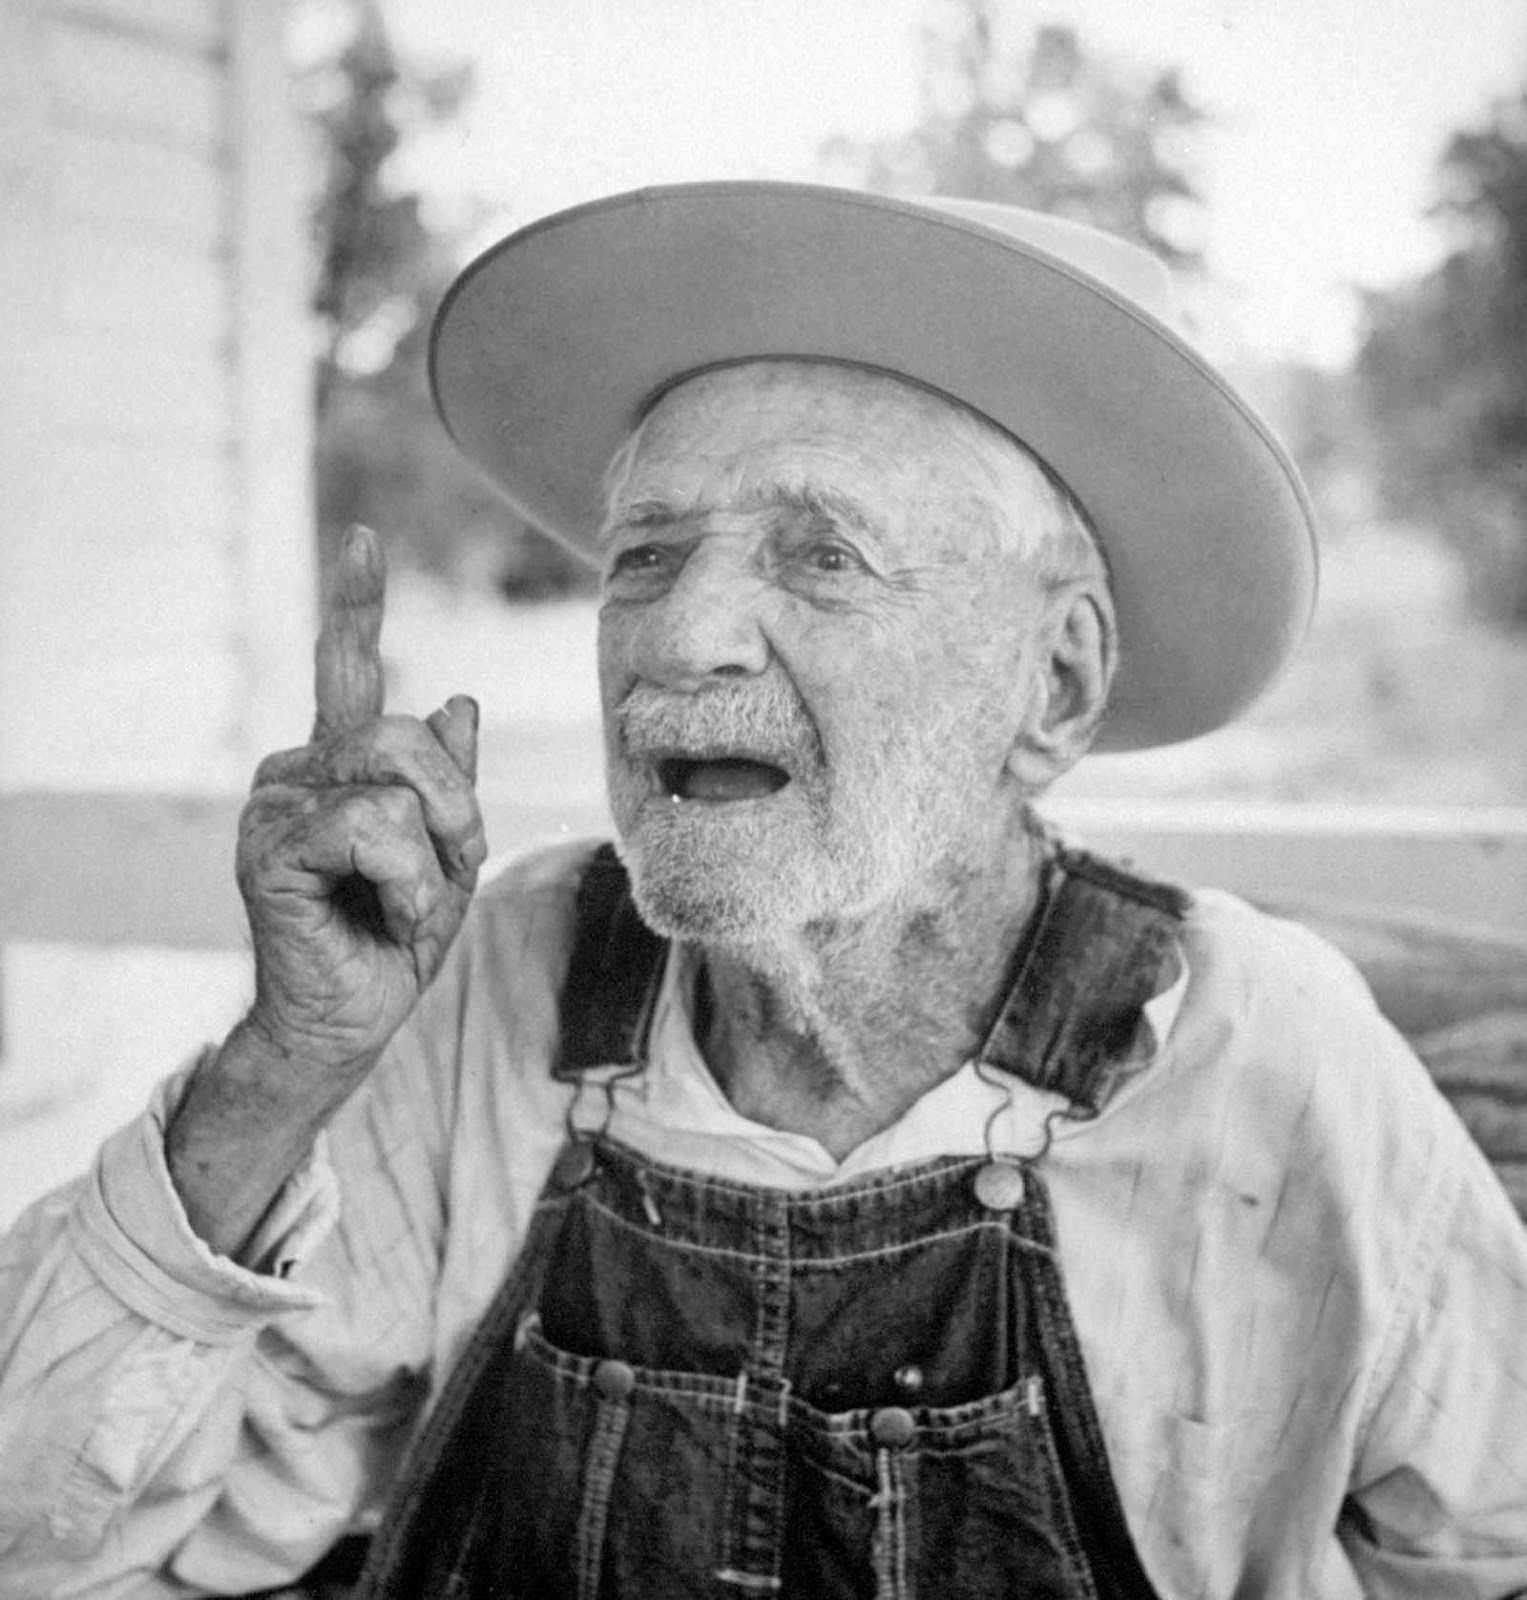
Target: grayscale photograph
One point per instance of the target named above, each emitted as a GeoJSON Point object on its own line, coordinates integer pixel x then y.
{"type": "Point", "coordinates": [763, 800]}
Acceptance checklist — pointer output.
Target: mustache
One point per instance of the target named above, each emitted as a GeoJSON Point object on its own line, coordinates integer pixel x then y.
{"type": "Point", "coordinates": [764, 717]}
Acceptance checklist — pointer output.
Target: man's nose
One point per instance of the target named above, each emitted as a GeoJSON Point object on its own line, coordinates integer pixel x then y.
{"type": "Point", "coordinates": [709, 623]}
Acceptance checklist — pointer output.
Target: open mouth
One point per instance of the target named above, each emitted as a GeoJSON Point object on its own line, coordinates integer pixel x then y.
{"type": "Point", "coordinates": [720, 778]}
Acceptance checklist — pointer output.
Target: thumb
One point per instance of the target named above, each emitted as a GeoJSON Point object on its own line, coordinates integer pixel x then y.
{"type": "Point", "coordinates": [455, 726]}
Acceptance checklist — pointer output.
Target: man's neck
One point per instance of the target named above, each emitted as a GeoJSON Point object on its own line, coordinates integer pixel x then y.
{"type": "Point", "coordinates": [837, 1031]}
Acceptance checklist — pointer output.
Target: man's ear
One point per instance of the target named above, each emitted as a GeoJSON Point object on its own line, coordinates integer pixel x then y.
{"type": "Point", "coordinates": [1079, 646]}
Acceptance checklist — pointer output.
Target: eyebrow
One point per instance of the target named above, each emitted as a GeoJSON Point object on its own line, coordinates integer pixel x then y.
{"type": "Point", "coordinates": [818, 500]}
{"type": "Point", "coordinates": [806, 499]}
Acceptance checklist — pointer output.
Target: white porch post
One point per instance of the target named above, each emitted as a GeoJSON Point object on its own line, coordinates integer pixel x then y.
{"type": "Point", "coordinates": [26, 409]}
{"type": "Point", "coordinates": [157, 564]}
{"type": "Point", "coordinates": [273, 386]}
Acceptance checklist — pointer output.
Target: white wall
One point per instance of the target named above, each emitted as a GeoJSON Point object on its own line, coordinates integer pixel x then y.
{"type": "Point", "coordinates": [155, 551]}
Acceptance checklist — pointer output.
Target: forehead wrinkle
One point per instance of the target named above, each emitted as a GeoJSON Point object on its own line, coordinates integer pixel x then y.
{"type": "Point", "coordinates": [800, 496]}
{"type": "Point", "coordinates": [807, 497]}
{"type": "Point", "coordinates": [975, 481]}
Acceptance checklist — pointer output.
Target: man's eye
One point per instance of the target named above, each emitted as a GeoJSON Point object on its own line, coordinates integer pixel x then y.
{"type": "Point", "coordinates": [824, 557]}
{"type": "Point", "coordinates": [638, 559]}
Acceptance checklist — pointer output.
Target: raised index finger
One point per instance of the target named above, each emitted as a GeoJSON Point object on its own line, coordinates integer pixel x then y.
{"type": "Point", "coordinates": [348, 683]}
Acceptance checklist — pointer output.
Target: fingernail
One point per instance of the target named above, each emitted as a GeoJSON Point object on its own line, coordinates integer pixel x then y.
{"type": "Point", "coordinates": [468, 857]}
{"type": "Point", "coordinates": [363, 542]}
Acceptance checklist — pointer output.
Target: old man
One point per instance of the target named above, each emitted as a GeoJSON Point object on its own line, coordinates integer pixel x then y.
{"type": "Point", "coordinates": [840, 1187]}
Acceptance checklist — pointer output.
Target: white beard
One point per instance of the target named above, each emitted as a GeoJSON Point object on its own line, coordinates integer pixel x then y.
{"type": "Point", "coordinates": [758, 873]}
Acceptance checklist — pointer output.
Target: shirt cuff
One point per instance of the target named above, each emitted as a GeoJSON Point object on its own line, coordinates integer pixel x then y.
{"type": "Point", "coordinates": [131, 1229]}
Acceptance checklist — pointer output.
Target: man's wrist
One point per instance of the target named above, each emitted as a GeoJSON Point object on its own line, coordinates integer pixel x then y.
{"type": "Point", "coordinates": [246, 1122]}
{"type": "Point", "coordinates": [266, 1049]}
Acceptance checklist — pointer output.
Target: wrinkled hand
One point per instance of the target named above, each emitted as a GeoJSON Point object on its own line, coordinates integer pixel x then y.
{"type": "Point", "coordinates": [358, 853]}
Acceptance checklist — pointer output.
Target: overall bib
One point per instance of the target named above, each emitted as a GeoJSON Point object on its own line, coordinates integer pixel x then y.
{"type": "Point", "coordinates": [693, 1387]}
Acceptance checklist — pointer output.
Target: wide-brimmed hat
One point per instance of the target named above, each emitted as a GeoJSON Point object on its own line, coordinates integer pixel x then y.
{"type": "Point", "coordinates": [550, 347]}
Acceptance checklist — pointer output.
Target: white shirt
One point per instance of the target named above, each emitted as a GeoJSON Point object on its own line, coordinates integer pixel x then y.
{"type": "Point", "coordinates": [1293, 1277]}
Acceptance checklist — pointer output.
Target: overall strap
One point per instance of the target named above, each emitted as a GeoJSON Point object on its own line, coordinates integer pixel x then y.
{"type": "Point", "coordinates": [613, 976]}
{"type": "Point", "coordinates": [1099, 946]}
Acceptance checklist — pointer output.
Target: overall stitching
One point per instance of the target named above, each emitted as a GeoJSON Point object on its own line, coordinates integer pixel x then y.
{"type": "Point", "coordinates": [751, 1551]}
{"type": "Point", "coordinates": [599, 1481]}
{"type": "Point", "coordinates": [891, 1502]}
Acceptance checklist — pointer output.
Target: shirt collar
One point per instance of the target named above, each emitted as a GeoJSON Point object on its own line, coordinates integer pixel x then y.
{"type": "Point", "coordinates": [676, 1106]}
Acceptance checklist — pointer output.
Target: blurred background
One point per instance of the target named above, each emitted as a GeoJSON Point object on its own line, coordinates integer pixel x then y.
{"type": "Point", "coordinates": [228, 223]}
{"type": "Point", "coordinates": [1342, 187]}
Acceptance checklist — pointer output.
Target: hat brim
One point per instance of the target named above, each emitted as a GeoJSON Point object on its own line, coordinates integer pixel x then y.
{"type": "Point", "coordinates": [552, 344]}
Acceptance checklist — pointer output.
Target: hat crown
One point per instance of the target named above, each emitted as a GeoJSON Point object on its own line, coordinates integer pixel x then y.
{"type": "Point", "coordinates": [1129, 269]}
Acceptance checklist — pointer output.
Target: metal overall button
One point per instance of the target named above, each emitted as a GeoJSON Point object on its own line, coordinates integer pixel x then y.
{"type": "Point", "coordinates": [575, 1166]}
{"type": "Point", "coordinates": [614, 1379]}
{"type": "Point", "coordinates": [893, 1427]}
{"type": "Point", "coordinates": [999, 1186]}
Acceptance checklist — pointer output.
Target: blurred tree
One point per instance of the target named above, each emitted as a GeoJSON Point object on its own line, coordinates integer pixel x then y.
{"type": "Point", "coordinates": [1318, 414]}
{"type": "Point", "coordinates": [1032, 118]}
{"type": "Point", "coordinates": [381, 266]}
{"type": "Point", "coordinates": [1443, 369]}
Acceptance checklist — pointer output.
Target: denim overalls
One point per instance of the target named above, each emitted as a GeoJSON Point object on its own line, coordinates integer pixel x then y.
{"type": "Point", "coordinates": [691, 1387]}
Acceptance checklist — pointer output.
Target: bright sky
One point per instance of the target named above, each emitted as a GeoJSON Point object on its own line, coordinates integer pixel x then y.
{"type": "Point", "coordinates": [1330, 115]}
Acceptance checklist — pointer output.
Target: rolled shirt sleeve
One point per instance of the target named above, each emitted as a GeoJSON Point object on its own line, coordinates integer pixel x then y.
{"type": "Point", "coordinates": [1439, 1492]}
{"type": "Point", "coordinates": [150, 1403]}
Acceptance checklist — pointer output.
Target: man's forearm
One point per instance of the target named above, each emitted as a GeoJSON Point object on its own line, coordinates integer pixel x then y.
{"type": "Point", "coordinates": [246, 1122]}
